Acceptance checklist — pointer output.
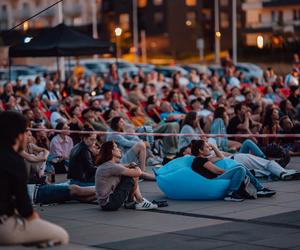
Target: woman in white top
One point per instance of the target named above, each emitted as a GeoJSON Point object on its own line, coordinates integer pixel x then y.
{"type": "Point", "coordinates": [190, 125]}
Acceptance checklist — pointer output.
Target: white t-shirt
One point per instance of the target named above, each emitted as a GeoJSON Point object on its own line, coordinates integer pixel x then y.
{"type": "Point", "coordinates": [37, 89]}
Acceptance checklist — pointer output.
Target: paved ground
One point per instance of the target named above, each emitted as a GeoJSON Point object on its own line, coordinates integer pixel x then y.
{"type": "Point", "coordinates": [253, 224]}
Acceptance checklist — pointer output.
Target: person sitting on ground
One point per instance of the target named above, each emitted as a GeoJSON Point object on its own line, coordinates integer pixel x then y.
{"type": "Point", "coordinates": [271, 124]}
{"type": "Point", "coordinates": [242, 122]}
{"type": "Point", "coordinates": [82, 160]}
{"type": "Point", "coordinates": [263, 167]}
{"type": "Point", "coordinates": [117, 184]}
{"type": "Point", "coordinates": [168, 114]}
{"type": "Point", "coordinates": [58, 193]}
{"type": "Point", "coordinates": [20, 224]}
{"type": "Point", "coordinates": [41, 137]}
{"type": "Point", "coordinates": [58, 115]}
{"type": "Point", "coordinates": [190, 125]}
{"type": "Point", "coordinates": [133, 148]}
{"type": "Point", "coordinates": [35, 157]}
{"type": "Point", "coordinates": [50, 96]}
{"type": "Point", "coordinates": [288, 127]}
{"type": "Point", "coordinates": [62, 143]}
{"type": "Point", "coordinates": [204, 165]}
{"type": "Point", "coordinates": [219, 127]}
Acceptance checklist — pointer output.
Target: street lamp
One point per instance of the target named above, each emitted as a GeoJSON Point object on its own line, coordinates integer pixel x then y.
{"type": "Point", "coordinates": [217, 32]}
{"type": "Point", "coordinates": [260, 42]}
{"type": "Point", "coordinates": [118, 32]}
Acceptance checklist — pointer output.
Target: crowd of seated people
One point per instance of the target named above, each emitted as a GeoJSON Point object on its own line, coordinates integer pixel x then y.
{"type": "Point", "coordinates": [91, 116]}
{"type": "Point", "coordinates": [150, 102]}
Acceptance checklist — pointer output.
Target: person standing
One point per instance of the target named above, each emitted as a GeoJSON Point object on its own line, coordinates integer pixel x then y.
{"type": "Point", "coordinates": [19, 223]}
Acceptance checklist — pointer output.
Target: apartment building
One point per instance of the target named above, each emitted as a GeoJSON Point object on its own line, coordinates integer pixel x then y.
{"type": "Point", "coordinates": [277, 21]}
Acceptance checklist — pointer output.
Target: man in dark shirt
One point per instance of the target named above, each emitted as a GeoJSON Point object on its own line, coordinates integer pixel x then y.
{"type": "Point", "coordinates": [81, 166]}
{"type": "Point", "coordinates": [14, 198]}
{"type": "Point", "coordinates": [241, 120]}
{"type": "Point", "coordinates": [13, 169]}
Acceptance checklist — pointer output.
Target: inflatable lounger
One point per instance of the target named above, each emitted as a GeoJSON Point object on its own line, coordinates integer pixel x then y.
{"type": "Point", "coordinates": [178, 181]}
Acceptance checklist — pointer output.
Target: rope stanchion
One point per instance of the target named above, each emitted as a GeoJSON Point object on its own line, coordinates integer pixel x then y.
{"type": "Point", "coordinates": [167, 134]}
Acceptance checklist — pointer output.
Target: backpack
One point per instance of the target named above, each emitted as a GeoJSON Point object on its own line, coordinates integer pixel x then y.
{"type": "Point", "coordinates": [277, 153]}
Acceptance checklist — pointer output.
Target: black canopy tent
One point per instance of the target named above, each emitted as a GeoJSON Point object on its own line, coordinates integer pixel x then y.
{"type": "Point", "coordinates": [59, 41]}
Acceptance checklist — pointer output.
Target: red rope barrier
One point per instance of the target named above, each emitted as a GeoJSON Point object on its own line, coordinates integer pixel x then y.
{"type": "Point", "coordinates": [169, 134]}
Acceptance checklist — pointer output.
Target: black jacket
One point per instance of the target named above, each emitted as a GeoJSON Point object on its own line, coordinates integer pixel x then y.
{"type": "Point", "coordinates": [13, 184]}
{"type": "Point", "coordinates": [81, 165]}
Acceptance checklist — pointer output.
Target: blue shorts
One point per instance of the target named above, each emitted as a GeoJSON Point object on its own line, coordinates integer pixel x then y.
{"type": "Point", "coordinates": [52, 193]}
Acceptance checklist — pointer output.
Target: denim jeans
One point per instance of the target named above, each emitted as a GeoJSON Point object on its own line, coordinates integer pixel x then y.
{"type": "Point", "coordinates": [81, 183]}
{"type": "Point", "coordinates": [237, 176]}
{"type": "Point", "coordinates": [52, 193]}
{"type": "Point", "coordinates": [250, 146]}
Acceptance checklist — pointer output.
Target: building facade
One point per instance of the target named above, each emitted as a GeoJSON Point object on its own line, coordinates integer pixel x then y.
{"type": "Point", "coordinates": [171, 26]}
{"type": "Point", "coordinates": [12, 12]}
{"type": "Point", "coordinates": [225, 21]}
{"type": "Point", "coordinates": [277, 21]}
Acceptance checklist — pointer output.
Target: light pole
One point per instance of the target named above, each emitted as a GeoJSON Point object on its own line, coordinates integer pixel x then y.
{"type": "Point", "coordinates": [217, 32]}
{"type": "Point", "coordinates": [135, 30]}
{"type": "Point", "coordinates": [94, 19]}
{"type": "Point", "coordinates": [118, 32]}
{"type": "Point", "coordinates": [61, 59]}
{"type": "Point", "coordinates": [234, 33]}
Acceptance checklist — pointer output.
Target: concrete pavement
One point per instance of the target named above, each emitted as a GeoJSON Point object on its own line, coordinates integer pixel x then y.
{"type": "Point", "coordinates": [257, 224]}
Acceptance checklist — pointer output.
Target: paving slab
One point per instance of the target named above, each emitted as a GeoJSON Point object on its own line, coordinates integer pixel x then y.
{"type": "Point", "coordinates": [231, 235]}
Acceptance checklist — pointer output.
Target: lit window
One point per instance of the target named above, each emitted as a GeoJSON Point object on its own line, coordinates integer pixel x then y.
{"type": "Point", "coordinates": [224, 20]}
{"type": "Point", "coordinates": [190, 19]}
{"type": "Point", "coordinates": [158, 2]}
{"type": "Point", "coordinates": [142, 3]}
{"type": "Point", "coordinates": [158, 17]}
{"type": "Point", "coordinates": [224, 2]}
{"type": "Point", "coordinates": [3, 18]}
{"type": "Point", "coordinates": [77, 21]}
{"type": "Point", "coordinates": [191, 2]}
{"type": "Point", "coordinates": [124, 21]}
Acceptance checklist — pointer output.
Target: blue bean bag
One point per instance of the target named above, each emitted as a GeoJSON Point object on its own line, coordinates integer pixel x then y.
{"type": "Point", "coordinates": [178, 181]}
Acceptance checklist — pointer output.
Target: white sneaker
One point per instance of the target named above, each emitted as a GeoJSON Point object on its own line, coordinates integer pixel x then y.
{"type": "Point", "coordinates": [290, 175]}
{"type": "Point", "coordinates": [145, 205]}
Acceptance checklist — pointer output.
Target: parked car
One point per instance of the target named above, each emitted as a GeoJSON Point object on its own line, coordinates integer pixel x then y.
{"type": "Point", "coordinates": [38, 69]}
{"type": "Point", "coordinates": [168, 71]}
{"type": "Point", "coordinates": [250, 70]}
{"type": "Point", "coordinates": [146, 68]}
{"type": "Point", "coordinates": [17, 72]}
{"type": "Point", "coordinates": [100, 69]}
{"type": "Point", "coordinates": [216, 68]}
{"type": "Point", "coordinates": [200, 68]}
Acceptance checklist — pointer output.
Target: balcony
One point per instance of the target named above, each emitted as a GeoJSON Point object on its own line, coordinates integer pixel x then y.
{"type": "Point", "coordinates": [73, 11]}
{"type": "Point", "coordinates": [252, 5]}
{"type": "Point", "coordinates": [287, 26]}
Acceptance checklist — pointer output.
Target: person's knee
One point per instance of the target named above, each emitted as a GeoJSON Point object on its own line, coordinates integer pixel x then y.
{"type": "Point", "coordinates": [128, 180]}
{"type": "Point", "coordinates": [241, 170]}
{"type": "Point", "coordinates": [74, 189]}
{"type": "Point", "coordinates": [248, 142]}
{"type": "Point", "coordinates": [140, 146]}
{"type": "Point", "coordinates": [64, 236]}
{"type": "Point", "coordinates": [174, 126]}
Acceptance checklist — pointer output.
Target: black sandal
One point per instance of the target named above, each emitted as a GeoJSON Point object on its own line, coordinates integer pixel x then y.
{"type": "Point", "coordinates": [160, 203]}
